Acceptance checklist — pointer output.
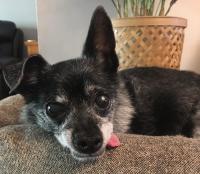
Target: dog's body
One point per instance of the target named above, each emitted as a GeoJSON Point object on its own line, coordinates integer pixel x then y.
{"type": "Point", "coordinates": [81, 100]}
{"type": "Point", "coordinates": [165, 101]}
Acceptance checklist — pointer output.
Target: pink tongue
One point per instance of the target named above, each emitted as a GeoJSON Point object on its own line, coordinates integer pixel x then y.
{"type": "Point", "coordinates": [113, 142]}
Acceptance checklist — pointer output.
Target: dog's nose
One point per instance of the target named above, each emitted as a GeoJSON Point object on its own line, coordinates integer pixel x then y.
{"type": "Point", "coordinates": [88, 145]}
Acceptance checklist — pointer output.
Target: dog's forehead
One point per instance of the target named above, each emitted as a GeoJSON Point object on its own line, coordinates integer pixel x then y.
{"type": "Point", "coordinates": [74, 77]}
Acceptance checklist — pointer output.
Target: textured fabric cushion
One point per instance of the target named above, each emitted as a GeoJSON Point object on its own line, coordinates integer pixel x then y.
{"type": "Point", "coordinates": [28, 149]}
{"type": "Point", "coordinates": [9, 110]}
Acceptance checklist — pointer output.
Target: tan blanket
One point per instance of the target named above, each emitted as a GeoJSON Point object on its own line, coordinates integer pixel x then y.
{"type": "Point", "coordinates": [26, 149]}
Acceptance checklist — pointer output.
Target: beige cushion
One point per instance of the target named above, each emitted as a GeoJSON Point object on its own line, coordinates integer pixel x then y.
{"type": "Point", "coordinates": [9, 110]}
{"type": "Point", "coordinates": [28, 149]}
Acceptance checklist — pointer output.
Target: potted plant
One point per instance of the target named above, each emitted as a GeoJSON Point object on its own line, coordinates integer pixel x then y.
{"type": "Point", "coordinates": [145, 36]}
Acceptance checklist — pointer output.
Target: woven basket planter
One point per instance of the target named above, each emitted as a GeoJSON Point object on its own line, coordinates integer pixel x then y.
{"type": "Point", "coordinates": [149, 41]}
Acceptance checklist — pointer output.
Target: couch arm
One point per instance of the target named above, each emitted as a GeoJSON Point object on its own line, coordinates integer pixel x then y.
{"type": "Point", "coordinates": [10, 108]}
{"type": "Point", "coordinates": [28, 149]}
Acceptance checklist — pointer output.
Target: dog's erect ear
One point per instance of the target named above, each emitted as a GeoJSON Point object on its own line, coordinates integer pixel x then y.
{"type": "Point", "coordinates": [100, 41]}
{"type": "Point", "coordinates": [24, 75]}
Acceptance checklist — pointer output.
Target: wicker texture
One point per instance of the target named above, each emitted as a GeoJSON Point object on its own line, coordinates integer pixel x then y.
{"type": "Point", "coordinates": [149, 45]}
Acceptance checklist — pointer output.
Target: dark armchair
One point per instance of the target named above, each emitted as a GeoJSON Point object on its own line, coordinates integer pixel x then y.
{"type": "Point", "coordinates": [11, 50]}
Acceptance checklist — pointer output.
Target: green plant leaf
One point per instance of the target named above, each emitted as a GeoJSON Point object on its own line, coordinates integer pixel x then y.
{"type": "Point", "coordinates": [127, 8]}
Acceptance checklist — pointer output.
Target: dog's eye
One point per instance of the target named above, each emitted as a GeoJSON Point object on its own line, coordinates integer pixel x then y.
{"type": "Point", "coordinates": [102, 101]}
{"type": "Point", "coordinates": [55, 109]}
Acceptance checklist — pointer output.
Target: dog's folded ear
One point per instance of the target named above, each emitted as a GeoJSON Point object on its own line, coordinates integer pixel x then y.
{"type": "Point", "coordinates": [100, 41]}
{"type": "Point", "coordinates": [24, 75]}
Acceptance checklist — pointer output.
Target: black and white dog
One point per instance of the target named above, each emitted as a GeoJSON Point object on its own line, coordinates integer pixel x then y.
{"type": "Point", "coordinates": [81, 101]}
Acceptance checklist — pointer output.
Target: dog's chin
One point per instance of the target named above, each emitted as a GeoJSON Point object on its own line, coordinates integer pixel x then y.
{"type": "Point", "coordinates": [87, 157]}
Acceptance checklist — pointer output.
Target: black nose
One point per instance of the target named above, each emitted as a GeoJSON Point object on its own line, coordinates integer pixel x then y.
{"type": "Point", "coordinates": [87, 145]}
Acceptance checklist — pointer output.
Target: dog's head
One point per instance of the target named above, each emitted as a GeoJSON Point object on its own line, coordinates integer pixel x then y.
{"type": "Point", "coordinates": [74, 99]}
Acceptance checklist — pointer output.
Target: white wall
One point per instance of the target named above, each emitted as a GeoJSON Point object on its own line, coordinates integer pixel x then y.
{"type": "Point", "coordinates": [190, 9]}
{"type": "Point", "coordinates": [63, 24]}
{"type": "Point", "coordinates": [23, 13]}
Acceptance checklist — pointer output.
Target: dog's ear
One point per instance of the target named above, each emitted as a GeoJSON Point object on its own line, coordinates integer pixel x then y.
{"type": "Point", "coordinates": [24, 76]}
{"type": "Point", "coordinates": [100, 41]}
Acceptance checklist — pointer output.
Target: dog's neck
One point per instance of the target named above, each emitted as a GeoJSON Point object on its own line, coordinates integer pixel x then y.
{"type": "Point", "coordinates": [124, 110]}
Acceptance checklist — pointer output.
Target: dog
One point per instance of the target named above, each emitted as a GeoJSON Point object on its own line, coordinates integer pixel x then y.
{"type": "Point", "coordinates": [83, 101]}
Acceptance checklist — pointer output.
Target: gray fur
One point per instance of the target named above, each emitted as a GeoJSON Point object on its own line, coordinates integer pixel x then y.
{"type": "Point", "coordinates": [196, 118]}
{"type": "Point", "coordinates": [124, 110]}
{"type": "Point", "coordinates": [35, 113]}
